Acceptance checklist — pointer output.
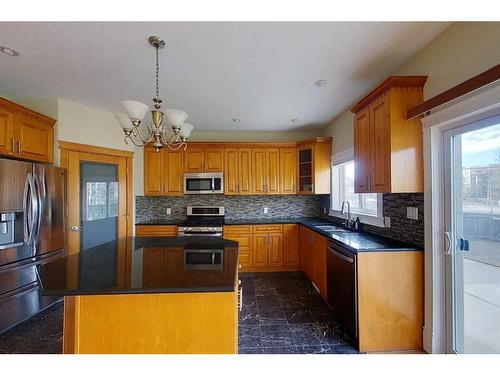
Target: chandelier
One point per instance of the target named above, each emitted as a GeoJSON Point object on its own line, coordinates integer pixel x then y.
{"type": "Point", "coordinates": [158, 133]}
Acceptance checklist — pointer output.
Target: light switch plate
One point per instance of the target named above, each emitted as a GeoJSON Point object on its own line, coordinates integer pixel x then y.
{"type": "Point", "coordinates": [387, 222]}
{"type": "Point", "coordinates": [412, 213]}
{"type": "Point", "coordinates": [169, 211]}
{"type": "Point", "coordinates": [266, 210]}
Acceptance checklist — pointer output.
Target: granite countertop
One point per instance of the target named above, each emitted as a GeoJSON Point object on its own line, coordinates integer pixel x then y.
{"type": "Point", "coordinates": [354, 241]}
{"type": "Point", "coordinates": [139, 265]}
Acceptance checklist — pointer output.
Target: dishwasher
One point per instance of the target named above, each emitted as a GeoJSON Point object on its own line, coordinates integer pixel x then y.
{"type": "Point", "coordinates": [342, 287]}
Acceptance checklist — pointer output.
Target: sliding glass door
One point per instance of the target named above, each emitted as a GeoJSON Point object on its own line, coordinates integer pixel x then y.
{"type": "Point", "coordinates": [472, 237]}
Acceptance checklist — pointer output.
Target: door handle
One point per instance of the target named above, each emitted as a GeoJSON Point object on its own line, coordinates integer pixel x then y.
{"type": "Point", "coordinates": [447, 244]}
{"type": "Point", "coordinates": [76, 228]}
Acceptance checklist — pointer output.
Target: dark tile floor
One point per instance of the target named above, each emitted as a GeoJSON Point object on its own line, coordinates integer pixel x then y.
{"type": "Point", "coordinates": [281, 313]}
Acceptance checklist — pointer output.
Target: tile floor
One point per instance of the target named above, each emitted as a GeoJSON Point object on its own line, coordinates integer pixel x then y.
{"type": "Point", "coordinates": [281, 314]}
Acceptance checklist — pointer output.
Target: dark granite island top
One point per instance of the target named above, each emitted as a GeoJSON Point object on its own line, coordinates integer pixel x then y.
{"type": "Point", "coordinates": [140, 265]}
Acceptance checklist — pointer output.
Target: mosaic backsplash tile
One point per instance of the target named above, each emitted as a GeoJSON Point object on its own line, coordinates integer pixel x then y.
{"type": "Point", "coordinates": [237, 207]}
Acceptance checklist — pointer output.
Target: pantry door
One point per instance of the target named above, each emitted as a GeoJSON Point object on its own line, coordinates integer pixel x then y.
{"type": "Point", "coordinates": [472, 237]}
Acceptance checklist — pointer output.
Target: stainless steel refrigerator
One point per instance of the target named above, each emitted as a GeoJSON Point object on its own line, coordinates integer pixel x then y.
{"type": "Point", "coordinates": [32, 223]}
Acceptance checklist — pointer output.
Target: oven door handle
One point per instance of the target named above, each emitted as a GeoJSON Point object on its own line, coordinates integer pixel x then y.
{"type": "Point", "coordinates": [339, 255]}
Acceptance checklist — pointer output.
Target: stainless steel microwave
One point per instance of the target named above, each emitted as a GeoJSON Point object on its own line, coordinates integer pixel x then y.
{"type": "Point", "coordinates": [203, 183]}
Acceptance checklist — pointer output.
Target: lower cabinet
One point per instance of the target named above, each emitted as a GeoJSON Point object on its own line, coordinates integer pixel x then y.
{"type": "Point", "coordinates": [313, 258]}
{"type": "Point", "coordinates": [156, 230]}
{"type": "Point", "coordinates": [262, 248]}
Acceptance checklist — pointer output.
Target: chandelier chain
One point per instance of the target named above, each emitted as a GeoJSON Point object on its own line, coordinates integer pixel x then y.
{"type": "Point", "coordinates": [157, 73]}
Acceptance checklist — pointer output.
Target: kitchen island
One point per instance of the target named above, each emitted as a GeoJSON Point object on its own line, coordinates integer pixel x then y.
{"type": "Point", "coordinates": [148, 295]}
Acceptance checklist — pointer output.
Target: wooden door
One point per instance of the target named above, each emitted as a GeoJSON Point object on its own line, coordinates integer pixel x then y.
{"type": "Point", "coordinates": [259, 176]}
{"type": "Point", "coordinates": [320, 264]}
{"type": "Point", "coordinates": [275, 249]}
{"type": "Point", "coordinates": [272, 171]}
{"type": "Point", "coordinates": [77, 204]}
{"type": "Point", "coordinates": [288, 170]}
{"type": "Point", "coordinates": [214, 160]}
{"type": "Point", "coordinates": [6, 131]}
{"type": "Point", "coordinates": [259, 247]}
{"type": "Point", "coordinates": [153, 172]}
{"type": "Point", "coordinates": [380, 180]}
{"type": "Point", "coordinates": [173, 172]}
{"type": "Point", "coordinates": [194, 160]}
{"type": "Point", "coordinates": [231, 171]}
{"type": "Point", "coordinates": [291, 245]}
{"type": "Point", "coordinates": [35, 137]}
{"type": "Point", "coordinates": [362, 151]}
{"type": "Point", "coordinates": [244, 171]}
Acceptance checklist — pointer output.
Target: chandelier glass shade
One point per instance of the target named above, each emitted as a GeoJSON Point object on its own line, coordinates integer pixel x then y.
{"type": "Point", "coordinates": [166, 128]}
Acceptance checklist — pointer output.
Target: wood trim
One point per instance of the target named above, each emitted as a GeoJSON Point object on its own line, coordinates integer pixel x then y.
{"type": "Point", "coordinates": [79, 147]}
{"type": "Point", "coordinates": [18, 107]}
{"type": "Point", "coordinates": [490, 76]}
{"type": "Point", "coordinates": [224, 145]}
{"type": "Point", "coordinates": [392, 81]}
{"type": "Point", "coordinates": [315, 140]}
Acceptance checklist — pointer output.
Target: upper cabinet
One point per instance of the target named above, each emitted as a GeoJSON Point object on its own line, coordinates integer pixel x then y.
{"type": "Point", "coordinates": [313, 167]}
{"type": "Point", "coordinates": [25, 134]}
{"type": "Point", "coordinates": [163, 172]}
{"type": "Point", "coordinates": [387, 147]}
{"type": "Point", "coordinates": [209, 159]}
{"type": "Point", "coordinates": [237, 171]}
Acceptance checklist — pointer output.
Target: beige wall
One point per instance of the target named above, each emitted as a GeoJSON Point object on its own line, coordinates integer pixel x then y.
{"type": "Point", "coordinates": [462, 51]}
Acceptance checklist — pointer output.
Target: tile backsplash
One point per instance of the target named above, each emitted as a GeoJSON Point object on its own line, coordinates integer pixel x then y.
{"type": "Point", "coordinates": [237, 207]}
{"type": "Point", "coordinates": [394, 207]}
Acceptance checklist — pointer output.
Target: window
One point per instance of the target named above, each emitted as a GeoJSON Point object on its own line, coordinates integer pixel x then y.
{"type": "Point", "coordinates": [102, 200]}
{"type": "Point", "coordinates": [362, 205]}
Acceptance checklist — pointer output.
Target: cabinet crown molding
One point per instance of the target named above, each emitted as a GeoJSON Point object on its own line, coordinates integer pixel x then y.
{"type": "Point", "coordinates": [26, 111]}
{"type": "Point", "coordinates": [389, 83]}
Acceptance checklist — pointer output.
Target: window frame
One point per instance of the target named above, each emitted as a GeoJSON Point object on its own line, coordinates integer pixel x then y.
{"type": "Point", "coordinates": [338, 193]}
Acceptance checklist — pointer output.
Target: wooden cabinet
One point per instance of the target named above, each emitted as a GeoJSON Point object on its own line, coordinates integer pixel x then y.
{"type": "Point", "coordinates": [156, 230]}
{"type": "Point", "coordinates": [388, 149]}
{"type": "Point", "coordinates": [25, 134]}
{"type": "Point", "coordinates": [153, 172]}
{"type": "Point", "coordinates": [275, 249]}
{"type": "Point", "coordinates": [259, 247]}
{"type": "Point", "coordinates": [288, 170]}
{"type": "Point", "coordinates": [307, 251]}
{"type": "Point", "coordinates": [291, 245]}
{"type": "Point", "coordinates": [197, 160]}
{"type": "Point", "coordinates": [266, 171]}
{"type": "Point", "coordinates": [313, 167]}
{"type": "Point", "coordinates": [163, 172]}
{"type": "Point", "coordinates": [237, 171]}
{"type": "Point", "coordinates": [259, 169]}
{"type": "Point", "coordinates": [154, 266]}
{"type": "Point", "coordinates": [313, 258]}
{"type": "Point", "coordinates": [243, 235]}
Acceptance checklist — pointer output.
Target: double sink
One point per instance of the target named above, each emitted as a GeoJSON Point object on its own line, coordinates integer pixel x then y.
{"type": "Point", "coordinates": [333, 229]}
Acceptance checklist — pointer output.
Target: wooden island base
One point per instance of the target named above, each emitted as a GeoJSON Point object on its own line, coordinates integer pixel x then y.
{"type": "Point", "coordinates": [174, 323]}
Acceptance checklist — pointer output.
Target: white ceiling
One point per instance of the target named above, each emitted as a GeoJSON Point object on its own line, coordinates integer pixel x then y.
{"type": "Point", "coordinates": [261, 73]}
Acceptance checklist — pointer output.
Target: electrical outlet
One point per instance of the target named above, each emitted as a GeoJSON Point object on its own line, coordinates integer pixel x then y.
{"type": "Point", "coordinates": [412, 213]}
{"type": "Point", "coordinates": [266, 210]}
{"type": "Point", "coordinates": [387, 222]}
{"type": "Point", "coordinates": [169, 211]}
{"type": "Point", "coordinates": [324, 210]}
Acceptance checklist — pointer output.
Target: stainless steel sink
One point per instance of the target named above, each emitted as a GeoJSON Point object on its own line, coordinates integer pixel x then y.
{"type": "Point", "coordinates": [332, 228]}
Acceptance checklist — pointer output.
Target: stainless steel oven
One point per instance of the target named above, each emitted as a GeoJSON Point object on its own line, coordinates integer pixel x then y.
{"type": "Point", "coordinates": [204, 258]}
{"type": "Point", "coordinates": [203, 221]}
{"type": "Point", "coordinates": [203, 183]}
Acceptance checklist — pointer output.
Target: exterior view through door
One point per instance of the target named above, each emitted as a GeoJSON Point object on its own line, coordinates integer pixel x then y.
{"type": "Point", "coordinates": [472, 219]}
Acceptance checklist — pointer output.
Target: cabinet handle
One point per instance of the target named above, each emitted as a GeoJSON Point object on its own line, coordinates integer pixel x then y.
{"type": "Point", "coordinates": [19, 147]}
{"type": "Point", "coordinates": [13, 145]}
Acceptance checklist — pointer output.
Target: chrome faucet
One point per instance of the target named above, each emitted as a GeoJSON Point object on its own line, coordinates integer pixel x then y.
{"type": "Point", "coordinates": [348, 223]}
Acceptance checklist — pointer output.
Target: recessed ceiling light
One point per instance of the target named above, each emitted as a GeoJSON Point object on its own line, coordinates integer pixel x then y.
{"type": "Point", "coordinates": [236, 120]}
{"type": "Point", "coordinates": [321, 83]}
{"type": "Point", "coordinates": [294, 120]}
{"type": "Point", "coordinates": [9, 51]}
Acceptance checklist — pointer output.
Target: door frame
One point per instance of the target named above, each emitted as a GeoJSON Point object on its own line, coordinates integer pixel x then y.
{"type": "Point", "coordinates": [474, 107]}
{"type": "Point", "coordinates": [70, 156]}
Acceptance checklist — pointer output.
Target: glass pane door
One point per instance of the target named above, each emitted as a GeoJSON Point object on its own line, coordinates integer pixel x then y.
{"type": "Point", "coordinates": [473, 221]}
{"type": "Point", "coordinates": [99, 204]}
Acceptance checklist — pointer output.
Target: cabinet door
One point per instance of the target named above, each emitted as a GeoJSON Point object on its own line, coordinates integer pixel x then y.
{"type": "Point", "coordinates": [288, 169]}
{"type": "Point", "coordinates": [194, 160]}
{"type": "Point", "coordinates": [173, 172]}
{"type": "Point", "coordinates": [307, 252]}
{"type": "Point", "coordinates": [320, 264]}
{"type": "Point", "coordinates": [214, 160]}
{"type": "Point", "coordinates": [259, 176]}
{"type": "Point", "coordinates": [291, 245]}
{"type": "Point", "coordinates": [272, 171]}
{"type": "Point", "coordinates": [6, 131]}
{"type": "Point", "coordinates": [305, 169]}
{"type": "Point", "coordinates": [174, 259]}
{"type": "Point", "coordinates": [259, 247]}
{"type": "Point", "coordinates": [380, 180]}
{"type": "Point", "coordinates": [275, 249]}
{"type": "Point", "coordinates": [302, 247]}
{"type": "Point", "coordinates": [153, 171]}
{"type": "Point", "coordinates": [35, 137]}
{"type": "Point", "coordinates": [231, 171]}
{"type": "Point", "coordinates": [244, 171]}
{"type": "Point", "coordinates": [362, 152]}
{"type": "Point", "coordinates": [154, 266]}
{"type": "Point", "coordinates": [244, 248]}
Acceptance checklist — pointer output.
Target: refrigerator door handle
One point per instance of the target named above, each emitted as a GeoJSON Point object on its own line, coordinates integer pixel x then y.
{"type": "Point", "coordinates": [26, 224]}
{"type": "Point", "coordinates": [38, 192]}
{"type": "Point", "coordinates": [32, 211]}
